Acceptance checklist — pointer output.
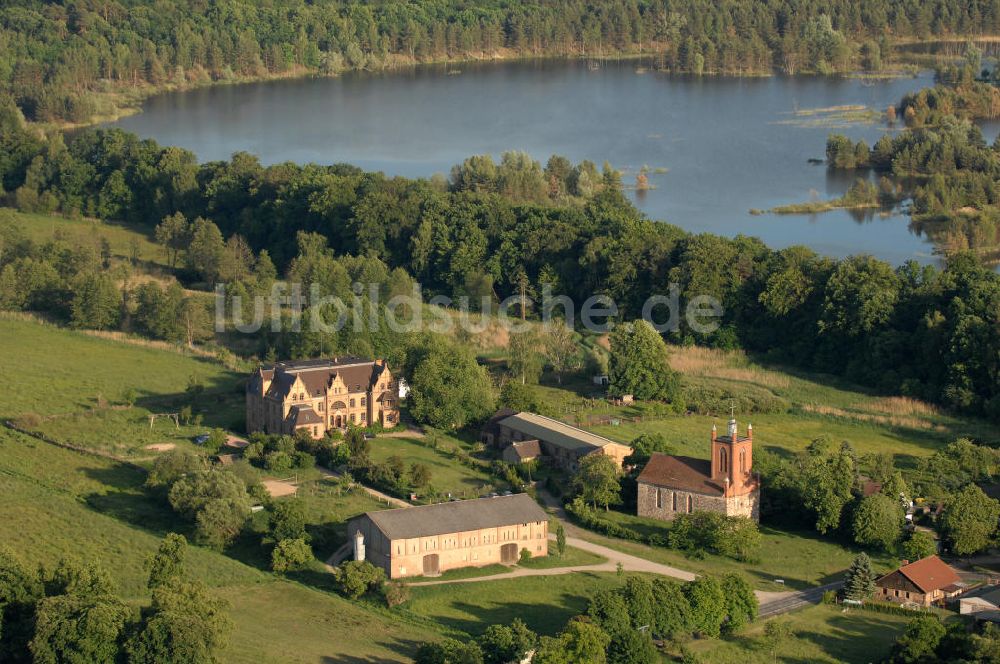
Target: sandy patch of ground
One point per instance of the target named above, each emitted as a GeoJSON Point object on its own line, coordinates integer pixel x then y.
{"type": "Point", "coordinates": [234, 441]}
{"type": "Point", "coordinates": [161, 447]}
{"type": "Point", "coordinates": [277, 488]}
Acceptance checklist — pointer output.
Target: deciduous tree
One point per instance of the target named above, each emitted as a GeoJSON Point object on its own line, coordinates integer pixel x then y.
{"type": "Point", "coordinates": [969, 521]}
{"type": "Point", "coordinates": [878, 521]}
{"type": "Point", "coordinates": [639, 364]}
{"type": "Point", "coordinates": [597, 480]}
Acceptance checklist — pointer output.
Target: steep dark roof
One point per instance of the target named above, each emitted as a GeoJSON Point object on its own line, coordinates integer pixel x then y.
{"type": "Point", "coordinates": [680, 472]}
{"type": "Point", "coordinates": [356, 373]}
{"type": "Point", "coordinates": [454, 517]}
{"type": "Point", "coordinates": [304, 415]}
{"type": "Point", "coordinates": [527, 449]}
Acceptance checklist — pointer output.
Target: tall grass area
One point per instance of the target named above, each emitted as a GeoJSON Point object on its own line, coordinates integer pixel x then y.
{"type": "Point", "coordinates": [55, 371]}
{"type": "Point", "coordinates": [125, 241]}
{"type": "Point", "coordinates": [788, 408]}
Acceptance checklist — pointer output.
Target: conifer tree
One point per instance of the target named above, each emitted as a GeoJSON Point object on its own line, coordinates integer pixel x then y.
{"type": "Point", "coordinates": [860, 582]}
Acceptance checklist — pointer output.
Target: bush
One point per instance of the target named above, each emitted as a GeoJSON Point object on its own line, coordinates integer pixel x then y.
{"type": "Point", "coordinates": [356, 577]}
{"type": "Point", "coordinates": [303, 460]}
{"type": "Point", "coordinates": [290, 555]}
{"type": "Point", "coordinates": [395, 593]}
{"type": "Point", "coordinates": [277, 462]}
{"type": "Point", "coordinates": [731, 536]}
{"type": "Point", "coordinates": [525, 556]}
{"type": "Point", "coordinates": [708, 399]}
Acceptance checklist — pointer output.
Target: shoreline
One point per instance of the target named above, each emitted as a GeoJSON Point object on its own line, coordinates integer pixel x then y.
{"type": "Point", "coordinates": [129, 101]}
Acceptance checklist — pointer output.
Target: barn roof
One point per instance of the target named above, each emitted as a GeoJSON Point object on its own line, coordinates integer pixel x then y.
{"type": "Point", "coordinates": [455, 517]}
{"type": "Point", "coordinates": [555, 432]}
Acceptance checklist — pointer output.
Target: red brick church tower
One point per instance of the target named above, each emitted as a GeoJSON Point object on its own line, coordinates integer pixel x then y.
{"type": "Point", "coordinates": [732, 460]}
{"type": "Point", "coordinates": [725, 484]}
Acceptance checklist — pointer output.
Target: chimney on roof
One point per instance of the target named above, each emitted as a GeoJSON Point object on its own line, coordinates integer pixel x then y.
{"type": "Point", "coordinates": [905, 563]}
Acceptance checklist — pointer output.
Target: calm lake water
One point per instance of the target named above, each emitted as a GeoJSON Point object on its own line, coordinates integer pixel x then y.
{"type": "Point", "coordinates": [728, 144]}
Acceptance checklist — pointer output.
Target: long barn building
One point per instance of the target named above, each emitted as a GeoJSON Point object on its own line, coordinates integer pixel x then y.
{"type": "Point", "coordinates": [431, 539]}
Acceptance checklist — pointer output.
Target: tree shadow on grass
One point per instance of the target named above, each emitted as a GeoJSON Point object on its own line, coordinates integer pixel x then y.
{"type": "Point", "coordinates": [854, 637]}
{"type": "Point", "coordinates": [128, 500]}
{"type": "Point", "coordinates": [545, 617]}
{"type": "Point", "coordinates": [314, 577]}
{"type": "Point", "coordinates": [404, 647]}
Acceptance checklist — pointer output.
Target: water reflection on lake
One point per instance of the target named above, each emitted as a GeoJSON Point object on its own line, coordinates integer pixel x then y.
{"type": "Point", "coordinates": [727, 144]}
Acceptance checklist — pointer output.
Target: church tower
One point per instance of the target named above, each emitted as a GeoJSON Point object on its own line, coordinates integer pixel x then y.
{"type": "Point", "coordinates": [732, 460]}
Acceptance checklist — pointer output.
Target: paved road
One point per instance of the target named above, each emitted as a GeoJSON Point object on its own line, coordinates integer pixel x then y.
{"type": "Point", "coordinates": [792, 601]}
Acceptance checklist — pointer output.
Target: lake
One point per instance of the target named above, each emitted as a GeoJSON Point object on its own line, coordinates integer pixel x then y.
{"type": "Point", "coordinates": [718, 146]}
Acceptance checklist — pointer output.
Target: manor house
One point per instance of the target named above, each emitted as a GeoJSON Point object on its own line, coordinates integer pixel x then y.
{"type": "Point", "coordinates": [320, 395]}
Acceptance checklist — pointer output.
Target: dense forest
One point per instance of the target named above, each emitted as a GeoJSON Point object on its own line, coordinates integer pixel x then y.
{"type": "Point", "coordinates": [492, 230]}
{"type": "Point", "coordinates": [69, 60]}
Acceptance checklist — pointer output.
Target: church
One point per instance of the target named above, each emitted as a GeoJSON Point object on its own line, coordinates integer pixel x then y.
{"type": "Point", "coordinates": [725, 483]}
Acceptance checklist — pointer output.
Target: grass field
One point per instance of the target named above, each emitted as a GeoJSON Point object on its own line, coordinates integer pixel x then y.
{"type": "Point", "coordinates": [63, 371]}
{"type": "Point", "coordinates": [327, 509]}
{"type": "Point", "coordinates": [816, 405]}
{"type": "Point", "coordinates": [55, 503]}
{"type": "Point", "coordinates": [544, 603]}
{"type": "Point", "coordinates": [447, 474]}
{"type": "Point", "coordinates": [819, 634]}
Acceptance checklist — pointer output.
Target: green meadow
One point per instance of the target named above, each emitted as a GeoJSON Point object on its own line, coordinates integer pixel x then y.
{"type": "Point", "coordinates": [447, 474]}
{"type": "Point", "coordinates": [62, 371]}
{"type": "Point", "coordinates": [545, 603]}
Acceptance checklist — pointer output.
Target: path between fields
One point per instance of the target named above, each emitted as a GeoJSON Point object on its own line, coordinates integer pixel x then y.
{"type": "Point", "coordinates": [771, 602]}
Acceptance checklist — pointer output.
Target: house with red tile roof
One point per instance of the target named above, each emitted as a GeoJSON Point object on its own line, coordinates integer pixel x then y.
{"type": "Point", "coordinates": [925, 582]}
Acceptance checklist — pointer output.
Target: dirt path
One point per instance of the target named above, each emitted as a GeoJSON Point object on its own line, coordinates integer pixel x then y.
{"type": "Point", "coordinates": [628, 562]}
{"type": "Point", "coordinates": [374, 493]}
{"type": "Point", "coordinates": [409, 433]}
